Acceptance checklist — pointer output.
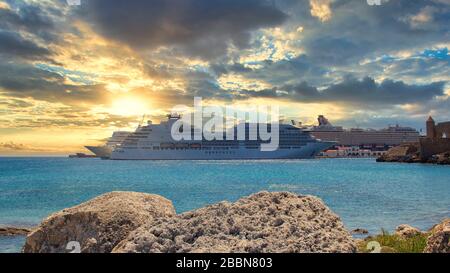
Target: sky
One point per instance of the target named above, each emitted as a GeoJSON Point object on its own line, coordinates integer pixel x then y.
{"type": "Point", "coordinates": [71, 75]}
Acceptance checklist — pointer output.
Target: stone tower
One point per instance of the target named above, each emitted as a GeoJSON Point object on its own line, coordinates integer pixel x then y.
{"type": "Point", "coordinates": [431, 128]}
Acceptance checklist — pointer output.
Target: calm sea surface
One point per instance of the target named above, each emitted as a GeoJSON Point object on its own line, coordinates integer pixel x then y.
{"type": "Point", "coordinates": [364, 193]}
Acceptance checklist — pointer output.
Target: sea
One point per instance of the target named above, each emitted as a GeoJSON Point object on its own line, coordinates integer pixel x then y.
{"type": "Point", "coordinates": [364, 193]}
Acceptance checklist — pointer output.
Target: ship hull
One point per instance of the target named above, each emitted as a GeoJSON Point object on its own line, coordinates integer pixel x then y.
{"type": "Point", "coordinates": [100, 151]}
{"type": "Point", "coordinates": [308, 151]}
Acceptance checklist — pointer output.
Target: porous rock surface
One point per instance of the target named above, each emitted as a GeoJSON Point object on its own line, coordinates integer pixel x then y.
{"type": "Point", "coordinates": [99, 224]}
{"type": "Point", "coordinates": [407, 231]}
{"type": "Point", "coordinates": [439, 240]}
{"type": "Point", "coordinates": [262, 223]}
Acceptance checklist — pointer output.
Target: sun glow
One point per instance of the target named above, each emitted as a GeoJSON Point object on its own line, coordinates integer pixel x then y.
{"type": "Point", "coordinates": [128, 106]}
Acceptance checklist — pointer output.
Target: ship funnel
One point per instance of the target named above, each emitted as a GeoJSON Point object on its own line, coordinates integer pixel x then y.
{"type": "Point", "coordinates": [323, 121]}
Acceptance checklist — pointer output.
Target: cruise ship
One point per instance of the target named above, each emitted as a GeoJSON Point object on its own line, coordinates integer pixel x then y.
{"type": "Point", "coordinates": [391, 136]}
{"type": "Point", "coordinates": [105, 151]}
{"type": "Point", "coordinates": [155, 142]}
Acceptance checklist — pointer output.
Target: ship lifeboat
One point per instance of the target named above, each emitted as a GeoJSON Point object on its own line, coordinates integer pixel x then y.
{"type": "Point", "coordinates": [181, 146]}
{"type": "Point", "coordinates": [167, 145]}
{"type": "Point", "coordinates": [196, 146]}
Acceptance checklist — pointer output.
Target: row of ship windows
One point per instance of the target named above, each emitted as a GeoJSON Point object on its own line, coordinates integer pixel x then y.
{"type": "Point", "coordinates": [220, 153]}
{"type": "Point", "coordinates": [206, 149]}
{"type": "Point", "coordinates": [283, 138]}
{"type": "Point", "coordinates": [136, 135]}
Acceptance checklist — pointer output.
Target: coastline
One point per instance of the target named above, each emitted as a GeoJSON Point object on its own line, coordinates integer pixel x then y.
{"type": "Point", "coordinates": [416, 153]}
{"type": "Point", "coordinates": [151, 215]}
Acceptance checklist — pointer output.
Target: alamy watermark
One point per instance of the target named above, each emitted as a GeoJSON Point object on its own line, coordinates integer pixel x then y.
{"type": "Point", "coordinates": [374, 2]}
{"type": "Point", "coordinates": [73, 2]}
{"type": "Point", "coordinates": [215, 123]}
{"type": "Point", "coordinates": [73, 247]}
{"type": "Point", "coordinates": [374, 247]}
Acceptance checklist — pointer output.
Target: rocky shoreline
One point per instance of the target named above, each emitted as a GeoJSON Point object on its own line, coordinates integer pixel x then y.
{"type": "Point", "coordinates": [14, 231]}
{"type": "Point", "coordinates": [409, 153]}
{"type": "Point", "coordinates": [128, 222]}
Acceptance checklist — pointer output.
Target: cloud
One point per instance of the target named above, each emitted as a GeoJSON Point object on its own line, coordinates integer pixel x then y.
{"type": "Point", "coordinates": [67, 66]}
{"type": "Point", "coordinates": [356, 30]}
{"type": "Point", "coordinates": [321, 9]}
{"type": "Point", "coordinates": [422, 18]}
{"type": "Point", "coordinates": [202, 28]}
{"type": "Point", "coordinates": [81, 121]}
{"type": "Point", "coordinates": [365, 92]}
{"type": "Point", "coordinates": [31, 18]}
{"type": "Point", "coordinates": [4, 5]}
{"type": "Point", "coordinates": [26, 81]}
{"type": "Point", "coordinates": [15, 103]}
{"type": "Point", "coordinates": [13, 44]}
{"type": "Point", "coordinates": [14, 147]}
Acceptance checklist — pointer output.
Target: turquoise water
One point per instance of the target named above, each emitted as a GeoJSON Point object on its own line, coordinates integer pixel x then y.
{"type": "Point", "coordinates": [364, 193]}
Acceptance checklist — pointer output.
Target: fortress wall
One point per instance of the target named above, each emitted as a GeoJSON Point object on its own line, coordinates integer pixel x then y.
{"type": "Point", "coordinates": [443, 128]}
{"type": "Point", "coordinates": [429, 147]}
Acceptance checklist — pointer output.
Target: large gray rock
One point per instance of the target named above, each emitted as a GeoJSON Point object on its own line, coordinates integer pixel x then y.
{"type": "Point", "coordinates": [262, 223]}
{"type": "Point", "coordinates": [439, 240]}
{"type": "Point", "coordinates": [97, 225]}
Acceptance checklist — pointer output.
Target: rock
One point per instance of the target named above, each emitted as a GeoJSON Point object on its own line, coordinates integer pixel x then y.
{"type": "Point", "coordinates": [438, 241]}
{"type": "Point", "coordinates": [262, 223]}
{"type": "Point", "coordinates": [360, 231]}
{"type": "Point", "coordinates": [406, 231]}
{"type": "Point", "coordinates": [407, 152]}
{"type": "Point", "coordinates": [13, 231]}
{"type": "Point", "coordinates": [442, 159]}
{"type": "Point", "coordinates": [97, 225]}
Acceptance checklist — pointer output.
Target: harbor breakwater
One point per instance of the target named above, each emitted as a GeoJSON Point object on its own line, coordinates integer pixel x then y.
{"type": "Point", "coordinates": [127, 222]}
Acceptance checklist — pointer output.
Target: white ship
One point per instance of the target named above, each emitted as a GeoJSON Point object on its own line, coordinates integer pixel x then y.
{"type": "Point", "coordinates": [105, 151]}
{"type": "Point", "coordinates": [391, 136]}
{"type": "Point", "coordinates": [155, 142]}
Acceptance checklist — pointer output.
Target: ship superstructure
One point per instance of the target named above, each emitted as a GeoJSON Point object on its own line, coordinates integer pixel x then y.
{"type": "Point", "coordinates": [391, 136]}
{"type": "Point", "coordinates": [104, 151]}
{"type": "Point", "coordinates": [155, 142]}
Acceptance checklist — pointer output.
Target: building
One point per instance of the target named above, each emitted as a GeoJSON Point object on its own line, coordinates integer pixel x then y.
{"type": "Point", "coordinates": [441, 130]}
{"type": "Point", "coordinates": [365, 138]}
{"type": "Point", "coordinates": [437, 140]}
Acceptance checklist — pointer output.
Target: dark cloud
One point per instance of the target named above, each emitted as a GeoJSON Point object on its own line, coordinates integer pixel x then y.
{"type": "Point", "coordinates": [29, 18]}
{"type": "Point", "coordinates": [13, 44]}
{"type": "Point", "coordinates": [195, 27]}
{"type": "Point", "coordinates": [27, 81]}
{"type": "Point", "coordinates": [221, 69]}
{"type": "Point", "coordinates": [357, 40]}
{"type": "Point", "coordinates": [388, 92]}
{"type": "Point", "coordinates": [357, 30]}
{"type": "Point", "coordinates": [419, 68]}
{"type": "Point", "coordinates": [365, 92]}
{"type": "Point", "coordinates": [282, 72]}
{"type": "Point", "coordinates": [26, 31]}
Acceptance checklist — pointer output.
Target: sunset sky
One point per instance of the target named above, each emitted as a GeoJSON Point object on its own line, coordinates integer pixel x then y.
{"type": "Point", "coordinates": [71, 75]}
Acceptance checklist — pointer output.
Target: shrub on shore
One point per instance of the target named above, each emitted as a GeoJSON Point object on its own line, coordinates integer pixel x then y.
{"type": "Point", "coordinates": [392, 243]}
